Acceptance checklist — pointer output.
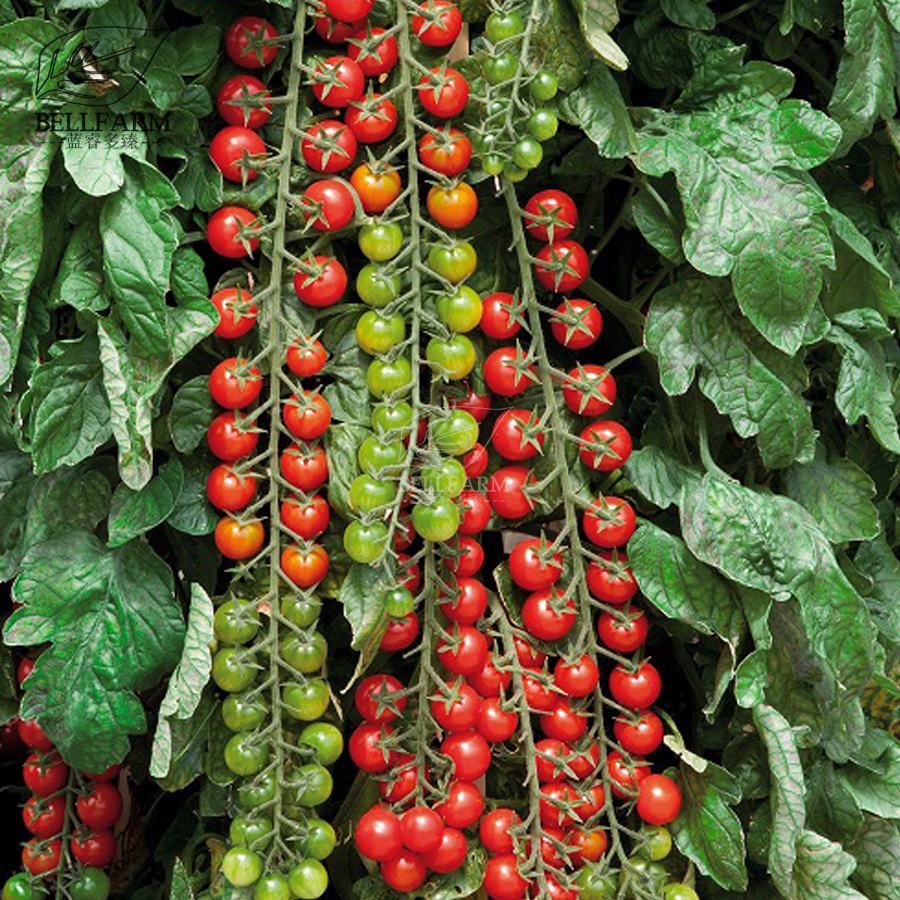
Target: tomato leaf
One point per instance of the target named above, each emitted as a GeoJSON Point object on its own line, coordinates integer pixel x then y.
{"type": "Point", "coordinates": [877, 849]}
{"type": "Point", "coordinates": [659, 476]}
{"type": "Point", "coordinates": [879, 563]}
{"type": "Point", "coordinates": [877, 792]}
{"type": "Point", "coordinates": [193, 513]}
{"type": "Point", "coordinates": [192, 410]}
{"type": "Point", "coordinates": [341, 444]}
{"type": "Point", "coordinates": [134, 512]}
{"type": "Point", "coordinates": [113, 628]}
{"type": "Point", "coordinates": [361, 596]}
{"type": "Point", "coordinates": [822, 869]}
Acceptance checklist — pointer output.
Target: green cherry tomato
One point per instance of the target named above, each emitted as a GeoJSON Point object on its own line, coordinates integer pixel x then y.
{"type": "Point", "coordinates": [90, 884]}
{"type": "Point", "coordinates": [542, 124]}
{"type": "Point", "coordinates": [392, 417]}
{"type": "Point", "coordinates": [454, 359]}
{"type": "Point", "coordinates": [650, 876]}
{"type": "Point", "coordinates": [376, 287]}
{"type": "Point", "coordinates": [501, 26]}
{"type": "Point", "coordinates": [527, 153]}
{"type": "Point", "coordinates": [461, 310]}
{"type": "Point", "coordinates": [457, 434]}
{"type": "Point", "coordinates": [253, 831]}
{"type": "Point", "coordinates": [325, 739]}
{"type": "Point", "coordinates": [594, 885]}
{"type": "Point", "coordinates": [311, 785]}
{"type": "Point", "coordinates": [365, 541]}
{"type": "Point", "coordinates": [241, 713]}
{"type": "Point", "coordinates": [253, 794]}
{"type": "Point", "coordinates": [301, 611]}
{"type": "Point", "coordinates": [233, 669]}
{"type": "Point", "coordinates": [376, 457]}
{"type": "Point", "coordinates": [398, 602]}
{"type": "Point", "coordinates": [378, 334]}
{"type": "Point", "coordinates": [306, 702]}
{"type": "Point", "coordinates": [656, 842]}
{"type": "Point", "coordinates": [18, 887]}
{"type": "Point", "coordinates": [492, 164]}
{"type": "Point", "coordinates": [498, 69]}
{"type": "Point", "coordinates": [241, 866]}
{"type": "Point", "coordinates": [454, 262]}
{"type": "Point", "coordinates": [514, 173]}
{"type": "Point", "coordinates": [675, 890]}
{"type": "Point", "coordinates": [446, 477]}
{"type": "Point", "coordinates": [379, 241]}
{"type": "Point", "coordinates": [304, 652]}
{"type": "Point", "coordinates": [388, 377]}
{"type": "Point", "coordinates": [368, 493]}
{"type": "Point", "coordinates": [245, 755]}
{"type": "Point", "coordinates": [308, 880]}
{"type": "Point", "coordinates": [319, 839]}
{"type": "Point", "coordinates": [236, 622]}
{"type": "Point", "coordinates": [272, 886]}
{"type": "Point", "coordinates": [543, 86]}
{"type": "Point", "coordinates": [436, 521]}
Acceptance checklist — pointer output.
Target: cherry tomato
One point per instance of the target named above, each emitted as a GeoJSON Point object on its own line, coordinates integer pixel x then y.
{"type": "Point", "coordinates": [469, 604]}
{"type": "Point", "coordinates": [349, 10]}
{"type": "Point", "coordinates": [465, 652]}
{"type": "Point", "coordinates": [45, 818]}
{"type": "Point", "coordinates": [305, 568]}
{"type": "Point", "coordinates": [547, 616]}
{"type": "Point", "coordinates": [377, 187]}
{"type": "Point", "coordinates": [338, 81]}
{"type": "Point", "coordinates": [237, 102]}
{"type": "Point", "coordinates": [439, 23]}
{"type": "Point", "coordinates": [584, 765]}
{"type": "Point", "coordinates": [498, 316]}
{"type": "Point", "coordinates": [555, 890]}
{"type": "Point", "coordinates": [444, 92]}
{"type": "Point", "coordinates": [636, 689]}
{"type": "Point", "coordinates": [470, 753]}
{"type": "Point", "coordinates": [489, 679]}
{"type": "Point", "coordinates": [233, 384]}
{"type": "Point", "coordinates": [237, 312]}
{"type": "Point", "coordinates": [45, 776]}
{"type": "Point", "coordinates": [609, 522]}
{"type": "Point", "coordinates": [449, 855]}
{"type": "Point", "coordinates": [659, 800]}
{"type": "Point", "coordinates": [100, 807]}
{"type": "Point", "coordinates": [335, 31]}
{"type": "Point", "coordinates": [624, 781]}
{"type": "Point", "coordinates": [457, 709]}
{"type": "Point", "coordinates": [306, 519]}
{"type": "Point", "coordinates": [32, 735]}
{"type": "Point", "coordinates": [469, 561]}
{"type": "Point", "coordinates": [95, 849]}
{"type": "Point", "coordinates": [639, 737]}
{"type": "Point", "coordinates": [328, 146]}
{"type": "Point", "coordinates": [244, 42]}
{"type": "Point", "coordinates": [477, 405]}
{"type": "Point", "coordinates": [550, 208]}
{"type": "Point", "coordinates": [374, 54]}
{"type": "Point", "coordinates": [579, 678]}
{"type": "Point", "coordinates": [530, 566]}
{"type": "Point", "coordinates": [328, 204]}
{"type": "Point", "coordinates": [476, 512]}
{"type": "Point", "coordinates": [305, 468]}
{"type": "Point", "coordinates": [556, 796]}
{"type": "Point", "coordinates": [306, 358]}
{"type": "Point", "coordinates": [624, 634]}
{"type": "Point", "coordinates": [495, 830]}
{"type": "Point", "coordinates": [496, 723]}
{"type": "Point", "coordinates": [454, 262]}
{"type": "Point", "coordinates": [518, 434]}
{"type": "Point", "coordinates": [612, 580]}
{"type": "Point", "coordinates": [502, 880]}
{"type": "Point", "coordinates": [402, 783]}
{"type": "Point", "coordinates": [24, 669]}
{"type": "Point", "coordinates": [589, 846]}
{"type": "Point", "coordinates": [605, 446]}
{"type": "Point", "coordinates": [551, 769]}
{"type": "Point", "coordinates": [454, 206]}
{"type": "Point", "coordinates": [562, 266]}
{"type": "Point", "coordinates": [501, 26]}
{"type": "Point", "coordinates": [366, 750]}
{"type": "Point", "coordinates": [239, 540]}
{"type": "Point", "coordinates": [307, 419]}
{"type": "Point", "coordinates": [421, 829]}
{"type": "Point", "coordinates": [527, 655]}
{"type": "Point", "coordinates": [589, 390]}
{"type": "Point", "coordinates": [234, 149]}
{"type": "Point", "coordinates": [447, 152]}
{"type": "Point", "coordinates": [108, 774]}
{"type": "Point", "coordinates": [227, 230]}
{"type": "Point", "coordinates": [577, 325]}
{"type": "Point", "coordinates": [401, 633]}
{"type": "Point", "coordinates": [563, 722]}
{"type": "Point", "coordinates": [475, 462]}
{"type": "Point", "coordinates": [506, 492]}
{"type": "Point", "coordinates": [376, 699]}
{"type": "Point", "coordinates": [463, 806]}
{"type": "Point", "coordinates": [405, 871]}
{"type": "Point", "coordinates": [506, 373]}
{"type": "Point", "coordinates": [538, 695]}
{"type": "Point", "coordinates": [371, 120]}
{"type": "Point", "coordinates": [39, 858]}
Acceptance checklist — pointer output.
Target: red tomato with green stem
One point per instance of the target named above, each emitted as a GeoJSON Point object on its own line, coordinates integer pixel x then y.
{"type": "Point", "coordinates": [39, 858]}
{"type": "Point", "coordinates": [305, 357]}
{"type": "Point", "coordinates": [589, 390]}
{"type": "Point", "coordinates": [453, 206]}
{"type": "Point", "coordinates": [547, 615]}
{"type": "Point", "coordinates": [245, 42]}
{"type": "Point", "coordinates": [349, 10]}
{"type": "Point", "coordinates": [506, 492]}
{"type": "Point", "coordinates": [95, 849]}
{"type": "Point", "coordinates": [464, 651]}
{"type": "Point", "coordinates": [243, 101]}
{"type": "Point", "coordinates": [623, 632]}
{"type": "Point", "coordinates": [564, 723]}
{"type": "Point", "coordinates": [489, 680]}
{"type": "Point", "coordinates": [400, 633]}
{"type": "Point", "coordinates": [476, 512]}
{"type": "Point", "coordinates": [495, 830]}
{"type": "Point", "coordinates": [328, 146]}
{"type": "Point", "coordinates": [477, 405]}
{"type": "Point", "coordinates": [518, 434]}
{"type": "Point", "coordinates": [449, 855]}
{"type": "Point", "coordinates": [377, 699]}
{"type": "Point", "coordinates": [577, 325]}
{"type": "Point", "coordinates": [334, 31]}
{"type": "Point", "coordinates": [636, 688]}
{"type": "Point", "coordinates": [444, 92]}
{"type": "Point", "coordinates": [338, 81]}
{"type": "Point", "coordinates": [234, 150]}
{"type": "Point", "coordinates": [550, 209]}
{"type": "Point", "coordinates": [507, 372]}
{"type": "Point", "coordinates": [304, 567]}
{"type": "Point", "coordinates": [371, 119]}
{"type": "Point", "coordinates": [605, 446]}
{"type": "Point", "coordinates": [101, 807]}
{"type": "Point", "coordinates": [328, 204]}
{"type": "Point", "coordinates": [562, 266]}
{"type": "Point", "coordinates": [533, 567]}
{"type": "Point", "coordinates": [32, 735]}
{"type": "Point", "coordinates": [374, 54]}
{"type": "Point", "coordinates": [307, 418]}
{"type": "Point", "coordinates": [609, 522]}
{"type": "Point", "coordinates": [239, 540]}
{"type": "Point", "coordinates": [659, 800]}
{"type": "Point", "coordinates": [577, 678]}
{"type": "Point", "coordinates": [237, 312]}
{"type": "Point", "coordinates": [495, 721]}
{"type": "Point", "coordinates": [234, 383]}
{"type": "Point", "coordinates": [499, 316]}
{"type": "Point", "coordinates": [439, 23]}
{"type": "Point", "coordinates": [366, 747]}
{"type": "Point", "coordinates": [639, 736]}
{"type": "Point", "coordinates": [323, 284]}
{"type": "Point", "coordinates": [470, 559]}
{"type": "Point", "coordinates": [469, 604]}
{"type": "Point", "coordinates": [305, 518]}
{"type": "Point", "coordinates": [610, 579]}
{"type": "Point", "coordinates": [45, 774]}
{"type": "Point", "coordinates": [502, 880]}
{"type": "Point", "coordinates": [421, 829]}
{"type": "Point", "coordinates": [625, 779]}
{"type": "Point", "coordinates": [304, 467]}
{"type": "Point", "coordinates": [463, 806]}
{"type": "Point", "coordinates": [229, 232]}
{"type": "Point", "coordinates": [469, 752]}
{"type": "Point", "coordinates": [458, 708]}
{"type": "Point", "coordinates": [447, 151]}
{"type": "Point", "coordinates": [405, 871]}
{"type": "Point", "coordinates": [45, 818]}
{"type": "Point", "coordinates": [377, 834]}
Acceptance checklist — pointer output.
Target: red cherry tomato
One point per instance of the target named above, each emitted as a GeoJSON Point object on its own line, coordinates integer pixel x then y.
{"type": "Point", "coordinates": [234, 150]}
{"type": "Point", "coordinates": [447, 152]}
{"type": "Point", "coordinates": [588, 846]}
{"type": "Point", "coordinates": [45, 818]}
{"type": "Point", "coordinates": [502, 880]}
{"type": "Point", "coordinates": [328, 204]}
{"type": "Point", "coordinates": [403, 782]}
{"type": "Point", "coordinates": [531, 568]}
{"type": "Point", "coordinates": [307, 419]}
{"type": "Point", "coordinates": [659, 800]}
{"type": "Point", "coordinates": [538, 695]}
{"type": "Point", "coordinates": [465, 652]}
{"type": "Point", "coordinates": [612, 580]}
{"type": "Point", "coordinates": [579, 678]}
{"type": "Point", "coordinates": [589, 390]}
{"type": "Point", "coordinates": [463, 806]}
{"type": "Point", "coordinates": [497, 318]}
{"type": "Point", "coordinates": [495, 722]}
{"type": "Point", "coordinates": [489, 679]}
{"type": "Point", "coordinates": [45, 776]}
{"type": "Point", "coordinates": [562, 266]}
{"type": "Point", "coordinates": [244, 42]}
{"type": "Point", "coordinates": [421, 829]}
{"type": "Point", "coordinates": [444, 92]}
{"type": "Point", "coordinates": [39, 858]}
{"type": "Point", "coordinates": [639, 737]}
{"type": "Point", "coordinates": [556, 796]}
{"type": "Point", "coordinates": [563, 722]}
{"type": "Point", "coordinates": [605, 446]}
{"type": "Point", "coordinates": [306, 519]}
{"type": "Point", "coordinates": [334, 31]}
{"type": "Point", "coordinates": [495, 830]}
{"type": "Point", "coordinates": [624, 634]}
{"type": "Point", "coordinates": [371, 120]}
{"type": "Point", "coordinates": [233, 384]}
{"type": "Point", "coordinates": [469, 752]}
{"type": "Point", "coordinates": [476, 512]}
{"type": "Point", "coordinates": [349, 10]}
{"type": "Point", "coordinates": [405, 871]}
{"type": "Point", "coordinates": [377, 834]}
{"type": "Point", "coordinates": [375, 55]}
{"type": "Point", "coordinates": [237, 99]}
{"type": "Point", "coordinates": [506, 492]}
{"type": "Point", "coordinates": [518, 434]}
{"type": "Point", "coordinates": [328, 146]}
{"type": "Point", "coordinates": [227, 232]}
{"type": "Point", "coordinates": [366, 747]}
{"type": "Point", "coordinates": [306, 359]}
{"type": "Point", "coordinates": [505, 373]}
{"type": "Point", "coordinates": [237, 312]}
{"type": "Point", "coordinates": [547, 616]}
{"type": "Point", "coordinates": [338, 81]}
{"type": "Point", "coordinates": [609, 522]}
{"type": "Point", "coordinates": [469, 604]}
{"type": "Point", "coordinates": [583, 331]}
{"type": "Point", "coordinates": [100, 807]}
{"type": "Point", "coordinates": [401, 632]}
{"type": "Point", "coordinates": [591, 803]}
{"type": "Point", "coordinates": [95, 849]}
{"type": "Point", "coordinates": [624, 781]}
{"type": "Point", "coordinates": [550, 208]}
{"type": "Point", "coordinates": [477, 405]}
{"type": "Point", "coordinates": [305, 468]}
{"type": "Point", "coordinates": [305, 568]}
{"type": "Point", "coordinates": [439, 23]}
{"type": "Point", "coordinates": [635, 690]}
{"type": "Point", "coordinates": [584, 765]}
{"type": "Point", "coordinates": [33, 735]}
{"type": "Point", "coordinates": [239, 540]}
{"type": "Point", "coordinates": [449, 855]}
{"type": "Point", "coordinates": [458, 708]}
{"type": "Point", "coordinates": [550, 756]}
{"type": "Point", "coordinates": [475, 462]}
{"type": "Point", "coordinates": [527, 655]}
{"type": "Point", "coordinates": [470, 559]}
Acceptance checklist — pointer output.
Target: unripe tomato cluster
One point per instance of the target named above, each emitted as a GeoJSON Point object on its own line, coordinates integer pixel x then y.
{"type": "Point", "coordinates": [71, 817]}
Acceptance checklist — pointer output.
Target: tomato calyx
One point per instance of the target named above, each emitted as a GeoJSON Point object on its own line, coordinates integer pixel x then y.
{"type": "Point", "coordinates": [255, 43]}
{"type": "Point", "coordinates": [581, 320]}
